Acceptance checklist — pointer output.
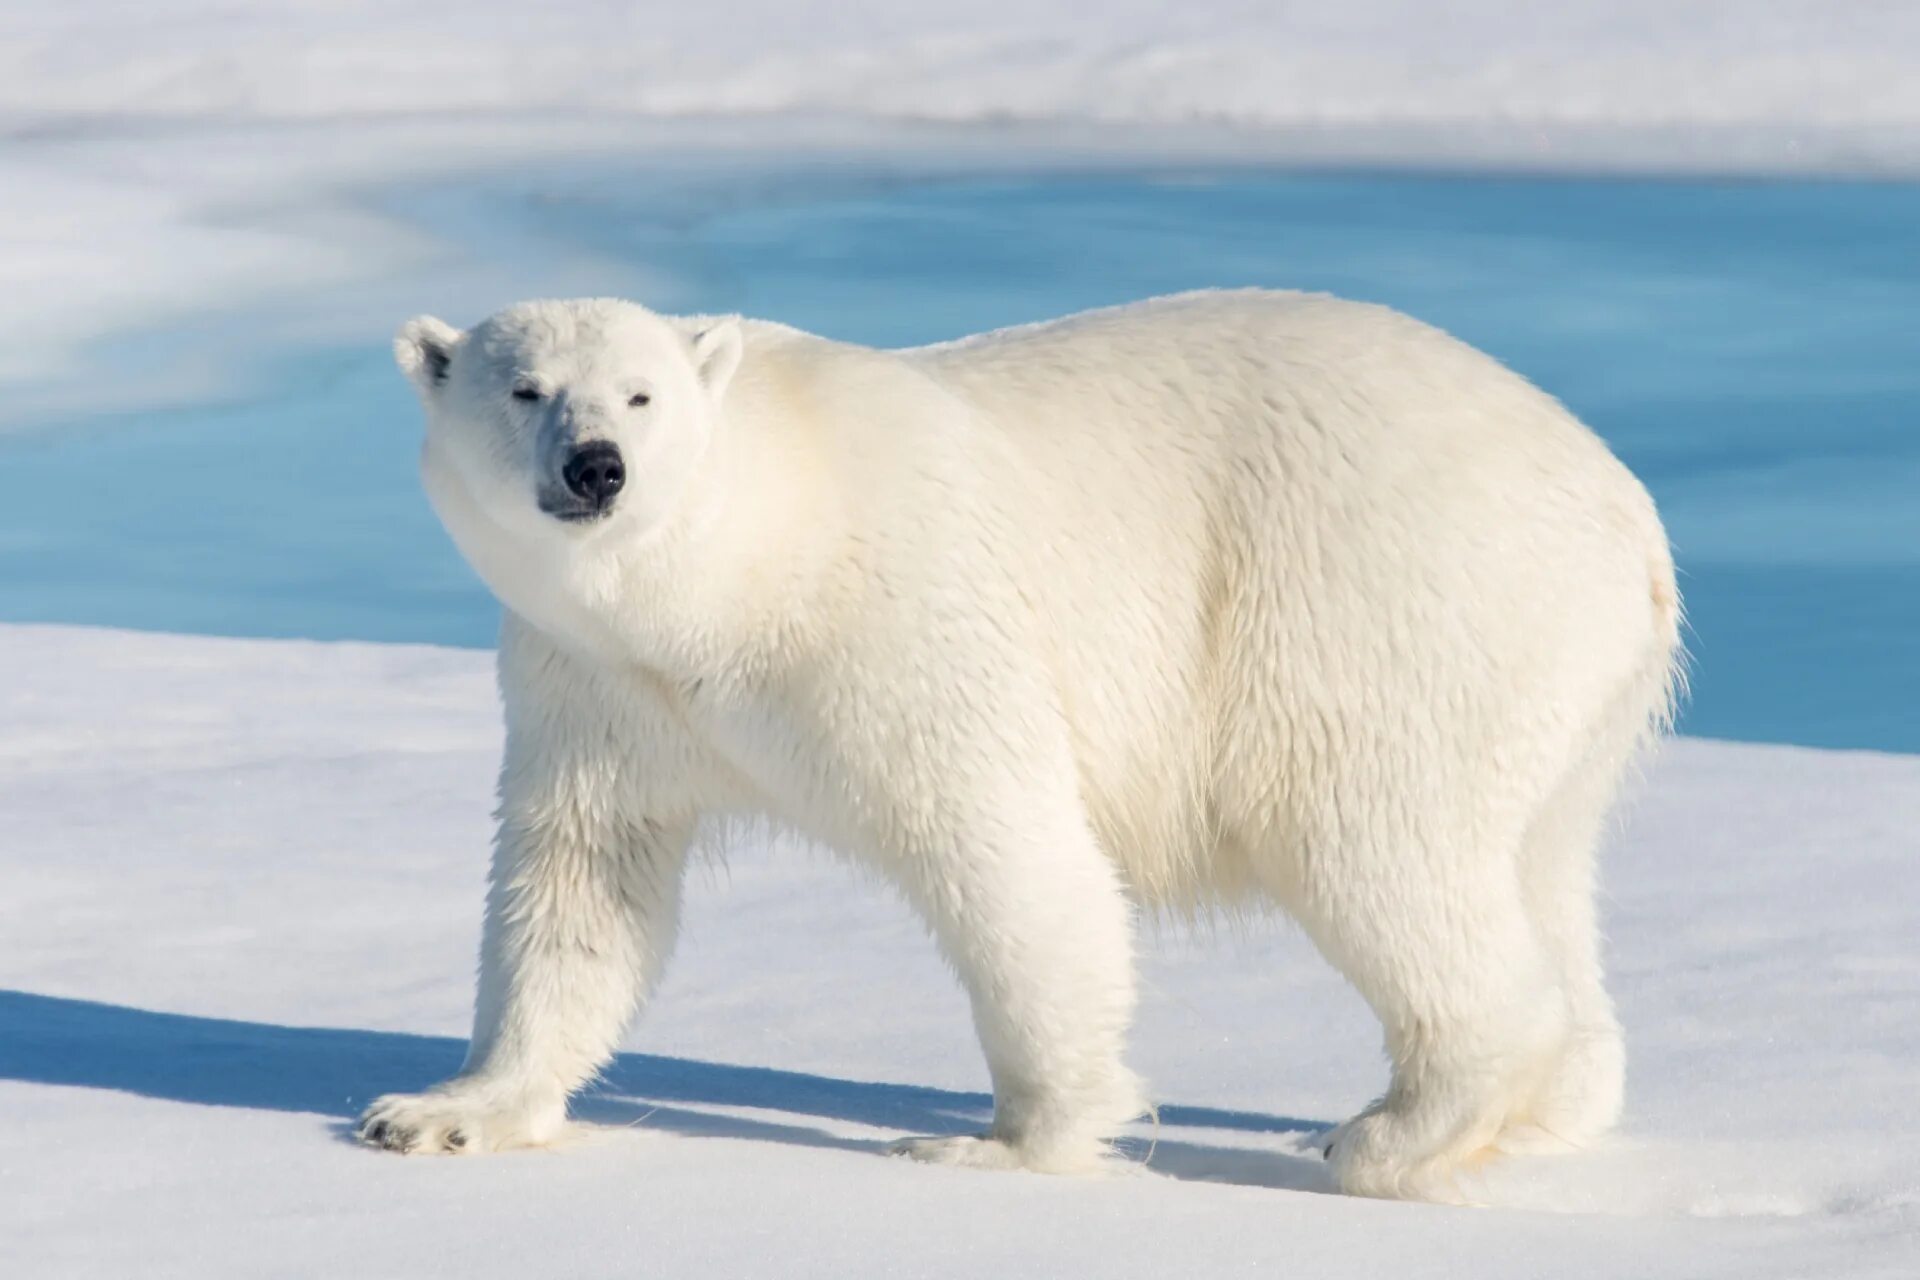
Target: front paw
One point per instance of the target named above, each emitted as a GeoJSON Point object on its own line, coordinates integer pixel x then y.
{"type": "Point", "coordinates": [456, 1120]}
{"type": "Point", "coordinates": [1373, 1155]}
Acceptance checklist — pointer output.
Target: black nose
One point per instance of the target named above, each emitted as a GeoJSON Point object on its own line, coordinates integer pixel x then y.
{"type": "Point", "coordinates": [594, 472]}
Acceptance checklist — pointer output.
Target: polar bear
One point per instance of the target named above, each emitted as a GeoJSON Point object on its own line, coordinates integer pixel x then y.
{"type": "Point", "coordinates": [1206, 600]}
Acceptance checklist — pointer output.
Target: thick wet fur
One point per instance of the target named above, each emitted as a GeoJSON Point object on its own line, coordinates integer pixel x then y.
{"type": "Point", "coordinates": [1212, 600]}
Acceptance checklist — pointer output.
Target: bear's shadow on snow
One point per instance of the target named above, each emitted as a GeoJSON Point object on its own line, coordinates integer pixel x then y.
{"type": "Point", "coordinates": [335, 1072]}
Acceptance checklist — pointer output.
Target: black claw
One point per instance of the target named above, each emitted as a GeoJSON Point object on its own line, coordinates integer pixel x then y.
{"type": "Point", "coordinates": [456, 1140]}
{"type": "Point", "coordinates": [387, 1136]}
{"type": "Point", "coordinates": [1326, 1152]}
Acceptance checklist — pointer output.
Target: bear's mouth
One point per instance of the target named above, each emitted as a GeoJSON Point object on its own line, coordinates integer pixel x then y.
{"type": "Point", "coordinates": [581, 515]}
{"type": "Point", "coordinates": [567, 510]}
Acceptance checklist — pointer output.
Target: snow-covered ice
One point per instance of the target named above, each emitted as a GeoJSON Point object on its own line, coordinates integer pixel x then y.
{"type": "Point", "coordinates": [1799, 82]}
{"type": "Point", "coordinates": [242, 896]}
{"type": "Point", "coordinates": [158, 156]}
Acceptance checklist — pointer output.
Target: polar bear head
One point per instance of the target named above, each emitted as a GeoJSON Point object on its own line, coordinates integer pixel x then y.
{"type": "Point", "coordinates": [562, 420]}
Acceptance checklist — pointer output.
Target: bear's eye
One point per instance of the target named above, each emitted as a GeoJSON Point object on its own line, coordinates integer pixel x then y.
{"type": "Point", "coordinates": [637, 399]}
{"type": "Point", "coordinates": [526, 393]}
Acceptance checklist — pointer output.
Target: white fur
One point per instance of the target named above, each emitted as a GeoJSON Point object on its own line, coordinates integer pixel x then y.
{"type": "Point", "coordinates": [1205, 601]}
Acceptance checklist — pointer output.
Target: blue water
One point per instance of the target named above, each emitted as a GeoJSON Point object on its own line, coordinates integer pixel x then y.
{"type": "Point", "coordinates": [1751, 349]}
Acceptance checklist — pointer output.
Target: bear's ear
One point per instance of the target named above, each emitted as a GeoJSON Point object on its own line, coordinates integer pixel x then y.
{"type": "Point", "coordinates": [424, 350]}
{"type": "Point", "coordinates": [716, 354]}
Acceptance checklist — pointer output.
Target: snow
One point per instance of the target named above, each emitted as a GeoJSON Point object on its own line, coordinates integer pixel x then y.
{"type": "Point", "coordinates": [242, 897]}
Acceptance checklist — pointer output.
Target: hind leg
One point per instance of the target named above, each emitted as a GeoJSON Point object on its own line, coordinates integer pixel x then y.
{"type": "Point", "coordinates": [1581, 1099]}
{"type": "Point", "coordinates": [1434, 931]}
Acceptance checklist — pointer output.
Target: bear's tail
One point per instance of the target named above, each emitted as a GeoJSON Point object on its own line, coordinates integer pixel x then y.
{"type": "Point", "coordinates": [1667, 659]}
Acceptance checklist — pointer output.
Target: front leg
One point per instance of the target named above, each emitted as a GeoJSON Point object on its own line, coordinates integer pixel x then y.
{"type": "Point", "coordinates": [580, 920]}
{"type": "Point", "coordinates": [1031, 914]}
{"type": "Point", "coordinates": [581, 915]}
